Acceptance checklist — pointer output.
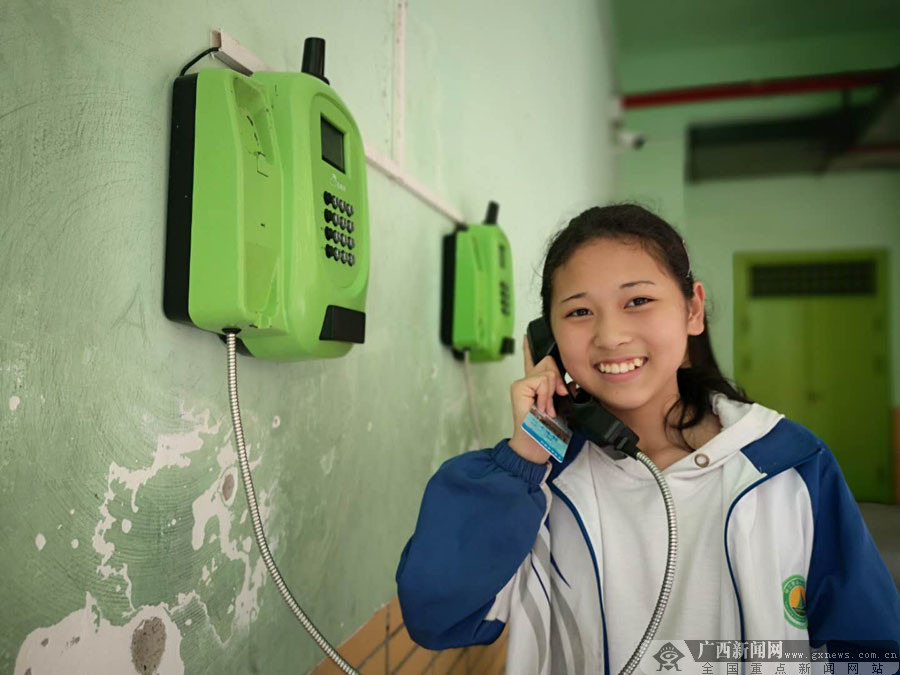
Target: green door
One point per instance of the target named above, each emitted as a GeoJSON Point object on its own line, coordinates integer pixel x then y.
{"type": "Point", "coordinates": [810, 341]}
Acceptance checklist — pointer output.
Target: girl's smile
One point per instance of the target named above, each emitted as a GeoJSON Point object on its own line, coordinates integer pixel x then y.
{"type": "Point", "coordinates": [621, 371]}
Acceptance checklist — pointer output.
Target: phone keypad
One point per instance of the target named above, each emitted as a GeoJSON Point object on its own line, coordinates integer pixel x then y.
{"type": "Point", "coordinates": [504, 298]}
{"type": "Point", "coordinates": [338, 216]}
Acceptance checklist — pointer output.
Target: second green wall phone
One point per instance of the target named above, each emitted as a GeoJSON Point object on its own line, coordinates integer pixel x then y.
{"type": "Point", "coordinates": [478, 310]}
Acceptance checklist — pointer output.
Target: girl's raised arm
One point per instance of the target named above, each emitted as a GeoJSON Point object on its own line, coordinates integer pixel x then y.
{"type": "Point", "coordinates": [478, 522]}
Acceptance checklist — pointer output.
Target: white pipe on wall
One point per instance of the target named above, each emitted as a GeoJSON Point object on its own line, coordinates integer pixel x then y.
{"type": "Point", "coordinates": [235, 55]}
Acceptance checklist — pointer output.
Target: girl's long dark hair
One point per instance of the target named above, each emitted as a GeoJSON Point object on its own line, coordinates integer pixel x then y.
{"type": "Point", "coordinates": [632, 222]}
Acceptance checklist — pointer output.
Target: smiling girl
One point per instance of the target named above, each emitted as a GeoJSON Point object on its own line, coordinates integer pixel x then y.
{"type": "Point", "coordinates": [571, 555]}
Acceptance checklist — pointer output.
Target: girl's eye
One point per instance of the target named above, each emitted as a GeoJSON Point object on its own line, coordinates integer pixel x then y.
{"type": "Point", "coordinates": [634, 300]}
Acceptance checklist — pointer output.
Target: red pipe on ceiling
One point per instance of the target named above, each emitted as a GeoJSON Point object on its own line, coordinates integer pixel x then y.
{"type": "Point", "coordinates": [772, 87]}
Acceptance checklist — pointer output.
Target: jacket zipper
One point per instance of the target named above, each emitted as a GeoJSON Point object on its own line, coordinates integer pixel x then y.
{"type": "Point", "coordinates": [587, 540]}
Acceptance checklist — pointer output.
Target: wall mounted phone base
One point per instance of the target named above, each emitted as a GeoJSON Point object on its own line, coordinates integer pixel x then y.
{"type": "Point", "coordinates": [477, 304]}
{"type": "Point", "coordinates": [253, 160]}
{"type": "Point", "coordinates": [267, 222]}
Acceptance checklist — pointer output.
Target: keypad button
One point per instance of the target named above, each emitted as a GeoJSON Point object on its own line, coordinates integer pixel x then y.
{"type": "Point", "coordinates": [352, 259]}
{"type": "Point", "coordinates": [344, 239]}
{"type": "Point", "coordinates": [327, 198]}
{"type": "Point", "coordinates": [328, 233]}
{"type": "Point", "coordinates": [328, 216]}
{"type": "Point", "coordinates": [349, 209]}
{"type": "Point", "coordinates": [350, 242]}
{"type": "Point", "coordinates": [329, 251]}
{"type": "Point", "coordinates": [343, 256]}
{"type": "Point", "coordinates": [350, 226]}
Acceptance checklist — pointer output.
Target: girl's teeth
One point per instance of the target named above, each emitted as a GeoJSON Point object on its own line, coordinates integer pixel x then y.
{"type": "Point", "coordinates": [626, 367]}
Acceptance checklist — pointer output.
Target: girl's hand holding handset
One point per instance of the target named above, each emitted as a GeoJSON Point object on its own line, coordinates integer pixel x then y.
{"type": "Point", "coordinates": [541, 381]}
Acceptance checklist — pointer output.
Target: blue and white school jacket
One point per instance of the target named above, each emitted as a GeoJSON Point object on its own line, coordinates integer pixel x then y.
{"type": "Point", "coordinates": [501, 540]}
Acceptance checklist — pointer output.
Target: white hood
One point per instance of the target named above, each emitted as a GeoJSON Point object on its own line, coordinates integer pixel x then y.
{"type": "Point", "coordinates": [742, 423]}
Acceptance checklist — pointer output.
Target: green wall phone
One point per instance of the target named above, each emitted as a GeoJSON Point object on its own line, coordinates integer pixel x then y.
{"type": "Point", "coordinates": [267, 224]}
{"type": "Point", "coordinates": [477, 305]}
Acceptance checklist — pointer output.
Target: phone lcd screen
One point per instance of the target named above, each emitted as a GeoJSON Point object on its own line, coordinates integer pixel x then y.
{"type": "Point", "coordinates": [332, 145]}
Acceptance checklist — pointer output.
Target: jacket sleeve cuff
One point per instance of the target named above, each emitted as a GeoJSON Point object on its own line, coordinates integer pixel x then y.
{"type": "Point", "coordinates": [517, 465]}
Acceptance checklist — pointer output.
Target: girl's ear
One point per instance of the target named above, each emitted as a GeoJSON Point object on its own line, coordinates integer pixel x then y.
{"type": "Point", "coordinates": [696, 310]}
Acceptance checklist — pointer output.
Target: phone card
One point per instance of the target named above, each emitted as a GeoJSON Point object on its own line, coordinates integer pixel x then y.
{"type": "Point", "coordinates": [550, 433]}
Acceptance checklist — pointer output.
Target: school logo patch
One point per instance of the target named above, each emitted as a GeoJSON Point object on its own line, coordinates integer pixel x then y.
{"type": "Point", "coordinates": [793, 591]}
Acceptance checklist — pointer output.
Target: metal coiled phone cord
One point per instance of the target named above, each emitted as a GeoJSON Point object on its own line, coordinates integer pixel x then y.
{"type": "Point", "coordinates": [257, 521]}
{"type": "Point", "coordinates": [669, 575]}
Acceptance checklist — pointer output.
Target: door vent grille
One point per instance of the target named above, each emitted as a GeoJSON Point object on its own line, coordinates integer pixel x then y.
{"type": "Point", "coordinates": [829, 278]}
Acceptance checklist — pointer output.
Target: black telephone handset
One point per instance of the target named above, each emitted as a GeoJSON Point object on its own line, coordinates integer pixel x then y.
{"type": "Point", "coordinates": [581, 412]}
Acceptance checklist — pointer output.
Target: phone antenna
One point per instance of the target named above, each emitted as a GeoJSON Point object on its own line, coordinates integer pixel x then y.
{"type": "Point", "coordinates": [314, 58]}
{"type": "Point", "coordinates": [492, 211]}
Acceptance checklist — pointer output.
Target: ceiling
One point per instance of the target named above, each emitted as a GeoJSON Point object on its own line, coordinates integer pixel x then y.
{"type": "Point", "coordinates": [663, 45]}
{"type": "Point", "coordinates": [661, 25]}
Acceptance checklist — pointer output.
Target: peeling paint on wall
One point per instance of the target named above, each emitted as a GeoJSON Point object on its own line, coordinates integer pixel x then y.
{"type": "Point", "coordinates": [86, 642]}
{"type": "Point", "coordinates": [214, 505]}
{"type": "Point", "coordinates": [172, 450]}
{"type": "Point", "coordinates": [153, 635]}
{"type": "Point", "coordinates": [148, 645]}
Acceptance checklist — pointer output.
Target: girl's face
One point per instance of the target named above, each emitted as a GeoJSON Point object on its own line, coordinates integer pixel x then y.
{"type": "Point", "coordinates": [613, 303]}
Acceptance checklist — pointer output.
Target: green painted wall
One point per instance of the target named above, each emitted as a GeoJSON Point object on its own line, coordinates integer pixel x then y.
{"type": "Point", "coordinates": [122, 519]}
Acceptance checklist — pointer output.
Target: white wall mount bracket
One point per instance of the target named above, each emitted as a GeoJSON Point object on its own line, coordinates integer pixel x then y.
{"type": "Point", "coordinates": [234, 55]}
